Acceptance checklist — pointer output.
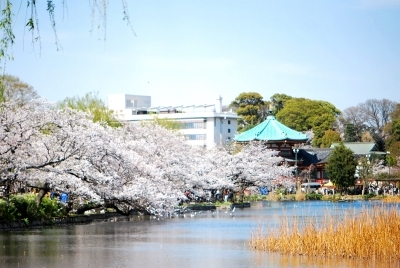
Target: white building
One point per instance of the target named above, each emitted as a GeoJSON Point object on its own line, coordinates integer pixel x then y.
{"type": "Point", "coordinates": [204, 125]}
{"type": "Point", "coordinates": [123, 104]}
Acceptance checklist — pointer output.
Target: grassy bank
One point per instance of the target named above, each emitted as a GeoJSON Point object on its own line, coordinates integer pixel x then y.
{"type": "Point", "coordinates": [367, 234]}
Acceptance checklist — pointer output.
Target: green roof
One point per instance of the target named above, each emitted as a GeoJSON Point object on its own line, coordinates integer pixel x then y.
{"type": "Point", "coordinates": [271, 130]}
{"type": "Point", "coordinates": [361, 148]}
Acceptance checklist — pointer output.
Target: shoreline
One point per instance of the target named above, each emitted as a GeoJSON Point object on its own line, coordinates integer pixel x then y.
{"type": "Point", "coordinates": [21, 225]}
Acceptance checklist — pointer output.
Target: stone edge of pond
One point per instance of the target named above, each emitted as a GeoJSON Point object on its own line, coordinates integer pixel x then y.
{"type": "Point", "coordinates": [214, 207]}
{"type": "Point", "coordinates": [6, 226]}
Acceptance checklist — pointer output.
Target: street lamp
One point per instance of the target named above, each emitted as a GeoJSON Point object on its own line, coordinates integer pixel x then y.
{"type": "Point", "coordinates": [389, 160]}
{"type": "Point", "coordinates": [296, 150]}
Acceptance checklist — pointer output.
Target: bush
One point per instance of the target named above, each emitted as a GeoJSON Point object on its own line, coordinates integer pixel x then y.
{"type": "Point", "coordinates": [368, 196]}
{"type": "Point", "coordinates": [313, 196]}
{"type": "Point", "coordinates": [280, 191]}
{"type": "Point", "coordinates": [254, 198]}
{"type": "Point", "coordinates": [5, 210]}
{"type": "Point", "coordinates": [24, 207]}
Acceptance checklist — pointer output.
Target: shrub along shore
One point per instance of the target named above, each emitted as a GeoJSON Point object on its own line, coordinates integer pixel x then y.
{"type": "Point", "coordinates": [21, 211]}
{"type": "Point", "coordinates": [24, 207]}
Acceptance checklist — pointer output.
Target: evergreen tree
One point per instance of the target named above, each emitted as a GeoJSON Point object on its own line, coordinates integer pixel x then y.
{"type": "Point", "coordinates": [251, 107]}
{"type": "Point", "coordinates": [341, 166]}
{"type": "Point", "coordinates": [350, 133]}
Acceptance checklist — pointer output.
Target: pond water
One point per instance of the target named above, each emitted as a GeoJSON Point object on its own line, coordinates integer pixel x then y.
{"type": "Point", "coordinates": [200, 240]}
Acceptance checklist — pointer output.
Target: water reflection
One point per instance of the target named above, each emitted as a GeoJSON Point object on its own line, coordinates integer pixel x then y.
{"type": "Point", "coordinates": [205, 240]}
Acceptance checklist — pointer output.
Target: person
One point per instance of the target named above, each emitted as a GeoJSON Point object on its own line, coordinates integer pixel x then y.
{"type": "Point", "coordinates": [217, 195]}
{"type": "Point", "coordinates": [230, 195]}
{"type": "Point", "coordinates": [226, 195]}
{"type": "Point", "coordinates": [209, 196]}
{"type": "Point", "coordinates": [187, 194]}
{"type": "Point", "coordinates": [64, 198]}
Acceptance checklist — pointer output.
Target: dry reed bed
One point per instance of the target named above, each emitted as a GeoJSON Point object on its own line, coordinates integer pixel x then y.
{"type": "Point", "coordinates": [372, 233]}
{"type": "Point", "coordinates": [391, 198]}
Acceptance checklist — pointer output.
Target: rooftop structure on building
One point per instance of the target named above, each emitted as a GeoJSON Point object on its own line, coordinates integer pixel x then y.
{"type": "Point", "coordinates": [123, 104]}
{"type": "Point", "coordinates": [205, 125]}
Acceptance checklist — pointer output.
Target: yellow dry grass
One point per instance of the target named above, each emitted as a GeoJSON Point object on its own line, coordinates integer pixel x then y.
{"type": "Point", "coordinates": [367, 234]}
{"type": "Point", "coordinates": [300, 196]}
{"type": "Point", "coordinates": [392, 198]}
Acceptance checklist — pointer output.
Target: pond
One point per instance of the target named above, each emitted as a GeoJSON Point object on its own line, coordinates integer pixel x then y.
{"type": "Point", "coordinates": [207, 239]}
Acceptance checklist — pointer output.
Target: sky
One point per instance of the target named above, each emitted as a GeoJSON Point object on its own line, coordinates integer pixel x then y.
{"type": "Point", "coordinates": [190, 52]}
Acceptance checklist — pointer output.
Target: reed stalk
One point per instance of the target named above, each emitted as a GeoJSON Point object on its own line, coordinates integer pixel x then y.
{"type": "Point", "coordinates": [392, 198]}
{"type": "Point", "coordinates": [369, 233]}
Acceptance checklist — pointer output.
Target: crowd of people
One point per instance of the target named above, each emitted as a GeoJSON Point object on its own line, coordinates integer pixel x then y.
{"type": "Point", "coordinates": [375, 188]}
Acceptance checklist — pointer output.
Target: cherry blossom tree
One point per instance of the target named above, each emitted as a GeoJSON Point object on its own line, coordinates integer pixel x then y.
{"type": "Point", "coordinates": [254, 165]}
{"type": "Point", "coordinates": [142, 167]}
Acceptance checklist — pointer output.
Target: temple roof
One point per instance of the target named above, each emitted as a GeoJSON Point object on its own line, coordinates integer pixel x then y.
{"type": "Point", "coordinates": [361, 148]}
{"type": "Point", "coordinates": [271, 130]}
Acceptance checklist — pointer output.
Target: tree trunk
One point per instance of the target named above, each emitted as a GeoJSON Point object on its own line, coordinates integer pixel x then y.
{"type": "Point", "coordinates": [42, 192]}
{"type": "Point", "coordinates": [363, 190]}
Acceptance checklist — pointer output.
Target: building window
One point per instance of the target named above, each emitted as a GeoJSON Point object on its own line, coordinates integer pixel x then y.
{"type": "Point", "coordinates": [193, 125]}
{"type": "Point", "coordinates": [130, 104]}
{"type": "Point", "coordinates": [195, 137]}
{"type": "Point", "coordinates": [229, 122]}
{"type": "Point", "coordinates": [229, 130]}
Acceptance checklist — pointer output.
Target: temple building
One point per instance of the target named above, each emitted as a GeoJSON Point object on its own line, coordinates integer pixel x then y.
{"type": "Point", "coordinates": [276, 135]}
{"type": "Point", "coordinates": [287, 142]}
{"type": "Point", "coordinates": [292, 146]}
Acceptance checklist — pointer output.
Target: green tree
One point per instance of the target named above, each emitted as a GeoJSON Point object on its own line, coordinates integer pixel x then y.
{"type": "Point", "coordinates": [251, 107]}
{"type": "Point", "coordinates": [278, 102]}
{"type": "Point", "coordinates": [393, 129]}
{"type": "Point", "coordinates": [330, 137]}
{"type": "Point", "coordinates": [352, 121]}
{"type": "Point", "coordinates": [304, 114]}
{"type": "Point", "coordinates": [350, 133]}
{"type": "Point", "coordinates": [341, 166]}
{"type": "Point", "coordinates": [167, 123]}
{"type": "Point", "coordinates": [92, 105]}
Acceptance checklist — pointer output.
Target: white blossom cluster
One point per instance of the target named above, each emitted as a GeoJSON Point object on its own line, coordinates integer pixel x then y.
{"type": "Point", "coordinates": [143, 166]}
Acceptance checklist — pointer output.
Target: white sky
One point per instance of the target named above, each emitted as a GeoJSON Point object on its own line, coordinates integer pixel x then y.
{"type": "Point", "coordinates": [190, 52]}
